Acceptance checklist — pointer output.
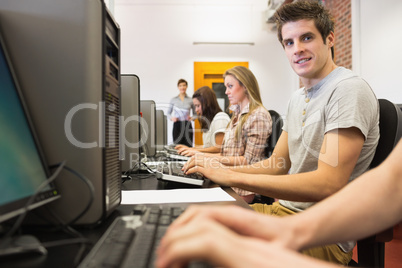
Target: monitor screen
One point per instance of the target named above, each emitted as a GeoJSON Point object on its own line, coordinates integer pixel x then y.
{"type": "Point", "coordinates": [22, 165]}
{"type": "Point", "coordinates": [148, 126]}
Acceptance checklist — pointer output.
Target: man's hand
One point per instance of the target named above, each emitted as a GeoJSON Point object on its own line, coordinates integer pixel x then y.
{"type": "Point", "coordinates": [223, 236]}
{"type": "Point", "coordinates": [209, 166]}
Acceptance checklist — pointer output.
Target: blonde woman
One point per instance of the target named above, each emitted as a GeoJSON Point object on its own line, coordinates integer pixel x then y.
{"type": "Point", "coordinates": [250, 126]}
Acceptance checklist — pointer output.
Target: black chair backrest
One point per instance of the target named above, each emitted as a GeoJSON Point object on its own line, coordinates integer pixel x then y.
{"type": "Point", "coordinates": [390, 130]}
{"type": "Point", "coordinates": [277, 124]}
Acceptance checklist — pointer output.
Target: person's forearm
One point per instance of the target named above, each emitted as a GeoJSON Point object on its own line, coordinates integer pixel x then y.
{"type": "Point", "coordinates": [232, 160]}
{"type": "Point", "coordinates": [366, 206]}
{"type": "Point", "coordinates": [302, 187]}
{"type": "Point", "coordinates": [270, 166]}
{"type": "Point", "coordinates": [210, 150]}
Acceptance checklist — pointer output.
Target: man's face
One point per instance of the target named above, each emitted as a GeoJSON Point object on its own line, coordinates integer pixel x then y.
{"type": "Point", "coordinates": [309, 57]}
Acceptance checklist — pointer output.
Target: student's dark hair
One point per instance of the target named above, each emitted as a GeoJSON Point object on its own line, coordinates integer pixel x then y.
{"type": "Point", "coordinates": [210, 107]}
{"type": "Point", "coordinates": [306, 10]}
{"type": "Point", "coordinates": [182, 81]}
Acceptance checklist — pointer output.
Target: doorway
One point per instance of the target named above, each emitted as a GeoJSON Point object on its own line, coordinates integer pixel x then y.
{"type": "Point", "coordinates": [211, 74]}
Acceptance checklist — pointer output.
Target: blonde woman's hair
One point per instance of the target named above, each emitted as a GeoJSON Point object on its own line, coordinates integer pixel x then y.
{"type": "Point", "coordinates": [247, 79]}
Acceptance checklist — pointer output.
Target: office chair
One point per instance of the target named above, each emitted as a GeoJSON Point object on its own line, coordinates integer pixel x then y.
{"type": "Point", "coordinates": [277, 124]}
{"type": "Point", "coordinates": [370, 250]}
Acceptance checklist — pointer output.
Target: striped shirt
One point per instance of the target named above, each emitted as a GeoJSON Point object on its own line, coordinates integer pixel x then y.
{"type": "Point", "coordinates": [252, 139]}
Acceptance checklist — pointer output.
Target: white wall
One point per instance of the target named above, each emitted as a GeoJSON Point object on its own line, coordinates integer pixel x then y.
{"type": "Point", "coordinates": [157, 44]}
{"type": "Point", "coordinates": [378, 51]}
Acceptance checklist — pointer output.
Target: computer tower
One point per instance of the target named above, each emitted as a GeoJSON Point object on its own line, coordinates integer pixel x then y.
{"type": "Point", "coordinates": [66, 56]}
{"type": "Point", "coordinates": [130, 122]}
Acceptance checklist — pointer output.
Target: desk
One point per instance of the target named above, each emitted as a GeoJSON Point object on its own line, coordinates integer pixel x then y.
{"type": "Point", "coordinates": [64, 256]}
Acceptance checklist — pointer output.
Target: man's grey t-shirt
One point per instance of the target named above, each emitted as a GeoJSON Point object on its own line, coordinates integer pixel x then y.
{"type": "Point", "coordinates": [340, 100]}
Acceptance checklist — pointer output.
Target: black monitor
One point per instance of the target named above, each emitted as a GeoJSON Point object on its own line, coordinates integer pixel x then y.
{"type": "Point", "coordinates": [130, 121]}
{"type": "Point", "coordinates": [160, 130]}
{"type": "Point", "coordinates": [165, 129]}
{"type": "Point", "coordinates": [148, 126]}
{"type": "Point", "coordinates": [23, 167]}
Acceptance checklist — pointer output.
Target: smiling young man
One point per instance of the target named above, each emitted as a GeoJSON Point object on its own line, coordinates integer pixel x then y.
{"type": "Point", "coordinates": [330, 133]}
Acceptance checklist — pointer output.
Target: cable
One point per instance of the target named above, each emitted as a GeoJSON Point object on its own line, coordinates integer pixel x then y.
{"type": "Point", "coordinates": [137, 166]}
{"type": "Point", "coordinates": [79, 238]}
{"type": "Point", "coordinates": [21, 217]}
{"type": "Point", "coordinates": [91, 194]}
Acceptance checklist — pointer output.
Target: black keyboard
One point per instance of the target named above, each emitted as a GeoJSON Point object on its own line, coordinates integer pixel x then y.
{"type": "Point", "coordinates": [172, 171]}
{"type": "Point", "coordinates": [132, 240]}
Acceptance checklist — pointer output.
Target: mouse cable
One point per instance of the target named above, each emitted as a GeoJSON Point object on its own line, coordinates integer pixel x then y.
{"type": "Point", "coordinates": [91, 195]}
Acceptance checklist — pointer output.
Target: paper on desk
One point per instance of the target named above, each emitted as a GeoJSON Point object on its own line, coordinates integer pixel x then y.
{"type": "Point", "coordinates": [174, 196]}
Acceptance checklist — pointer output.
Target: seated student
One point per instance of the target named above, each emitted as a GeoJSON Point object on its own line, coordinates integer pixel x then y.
{"type": "Point", "coordinates": [330, 133]}
{"type": "Point", "coordinates": [250, 126]}
{"type": "Point", "coordinates": [212, 120]}
{"type": "Point", "coordinates": [221, 235]}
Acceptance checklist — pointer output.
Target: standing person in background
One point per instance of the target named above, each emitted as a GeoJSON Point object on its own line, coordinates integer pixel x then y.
{"type": "Point", "coordinates": [181, 106]}
{"type": "Point", "coordinates": [212, 120]}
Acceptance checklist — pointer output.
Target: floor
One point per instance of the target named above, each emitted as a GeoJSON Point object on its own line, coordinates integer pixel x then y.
{"type": "Point", "coordinates": [393, 249]}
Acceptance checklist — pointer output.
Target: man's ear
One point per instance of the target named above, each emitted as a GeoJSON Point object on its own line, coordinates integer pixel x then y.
{"type": "Point", "coordinates": [331, 39]}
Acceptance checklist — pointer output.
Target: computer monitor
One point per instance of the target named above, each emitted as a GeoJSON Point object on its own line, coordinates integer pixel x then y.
{"type": "Point", "coordinates": [165, 129]}
{"type": "Point", "coordinates": [23, 167]}
{"type": "Point", "coordinates": [160, 130]}
{"type": "Point", "coordinates": [67, 58]}
{"type": "Point", "coordinates": [130, 121]}
{"type": "Point", "coordinates": [148, 126]}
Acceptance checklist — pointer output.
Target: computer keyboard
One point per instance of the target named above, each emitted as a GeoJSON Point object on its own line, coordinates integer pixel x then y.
{"type": "Point", "coordinates": [132, 240]}
{"type": "Point", "coordinates": [172, 171]}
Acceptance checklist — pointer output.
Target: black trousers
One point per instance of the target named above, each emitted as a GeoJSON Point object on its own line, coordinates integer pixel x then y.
{"type": "Point", "coordinates": [183, 133]}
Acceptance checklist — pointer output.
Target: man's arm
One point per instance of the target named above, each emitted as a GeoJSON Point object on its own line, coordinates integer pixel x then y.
{"type": "Point", "coordinates": [362, 206]}
{"type": "Point", "coordinates": [338, 156]}
{"type": "Point", "coordinates": [352, 213]}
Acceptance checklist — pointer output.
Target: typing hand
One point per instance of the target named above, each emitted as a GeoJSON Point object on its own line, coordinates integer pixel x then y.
{"type": "Point", "coordinates": [187, 151]}
{"type": "Point", "coordinates": [209, 166]}
{"type": "Point", "coordinates": [224, 241]}
{"type": "Point", "coordinates": [181, 147]}
{"type": "Point", "coordinates": [238, 220]}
